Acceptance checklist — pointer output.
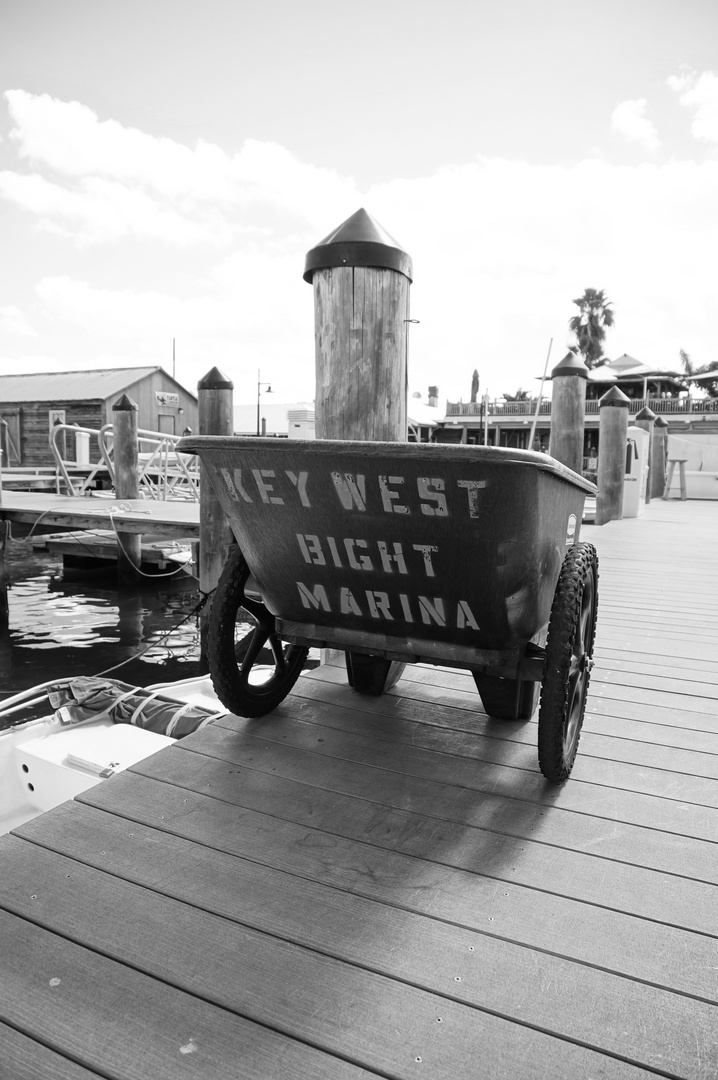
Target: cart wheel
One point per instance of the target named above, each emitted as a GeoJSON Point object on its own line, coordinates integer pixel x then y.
{"type": "Point", "coordinates": [242, 687]}
{"type": "Point", "coordinates": [567, 668]}
{"type": "Point", "coordinates": [372, 675]}
{"type": "Point", "coordinates": [507, 699]}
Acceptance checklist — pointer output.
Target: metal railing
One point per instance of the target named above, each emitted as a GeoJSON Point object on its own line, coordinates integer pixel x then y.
{"type": "Point", "coordinates": [74, 475]}
{"type": "Point", "coordinates": [660, 406]}
{"type": "Point", "coordinates": [163, 472]}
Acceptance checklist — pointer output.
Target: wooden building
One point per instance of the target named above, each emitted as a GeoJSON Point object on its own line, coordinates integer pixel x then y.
{"type": "Point", "coordinates": [31, 404]}
{"type": "Point", "coordinates": [511, 423]}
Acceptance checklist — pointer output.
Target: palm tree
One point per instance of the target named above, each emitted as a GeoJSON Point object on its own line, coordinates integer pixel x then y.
{"type": "Point", "coordinates": [709, 385]}
{"type": "Point", "coordinates": [589, 327]}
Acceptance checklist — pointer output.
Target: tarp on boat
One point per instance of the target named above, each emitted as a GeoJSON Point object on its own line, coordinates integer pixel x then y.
{"type": "Point", "coordinates": [93, 698]}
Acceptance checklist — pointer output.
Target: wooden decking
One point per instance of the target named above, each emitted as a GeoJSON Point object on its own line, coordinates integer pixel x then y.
{"type": "Point", "coordinates": [170, 518]}
{"type": "Point", "coordinates": [360, 887]}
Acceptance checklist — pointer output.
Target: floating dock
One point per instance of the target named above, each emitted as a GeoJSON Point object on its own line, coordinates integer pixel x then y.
{"type": "Point", "coordinates": [387, 887]}
{"type": "Point", "coordinates": [97, 549]}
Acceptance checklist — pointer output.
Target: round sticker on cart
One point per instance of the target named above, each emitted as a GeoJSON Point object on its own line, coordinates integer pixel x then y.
{"type": "Point", "coordinates": [571, 529]}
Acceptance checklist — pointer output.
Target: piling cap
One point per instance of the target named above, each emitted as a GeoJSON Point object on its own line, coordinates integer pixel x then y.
{"type": "Point", "coordinates": [570, 365]}
{"type": "Point", "coordinates": [646, 414]}
{"type": "Point", "coordinates": [358, 241]}
{"type": "Point", "coordinates": [215, 380]}
{"type": "Point", "coordinates": [660, 422]}
{"type": "Point", "coordinates": [125, 404]}
{"type": "Point", "coordinates": [614, 398]}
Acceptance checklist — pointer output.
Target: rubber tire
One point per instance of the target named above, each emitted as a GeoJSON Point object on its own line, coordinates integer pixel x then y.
{"type": "Point", "coordinates": [507, 699]}
{"type": "Point", "coordinates": [230, 674]}
{"type": "Point", "coordinates": [567, 667]}
{"type": "Point", "coordinates": [372, 675]}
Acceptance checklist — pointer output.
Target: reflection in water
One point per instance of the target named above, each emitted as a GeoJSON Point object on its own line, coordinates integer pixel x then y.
{"type": "Point", "coordinates": [85, 626]}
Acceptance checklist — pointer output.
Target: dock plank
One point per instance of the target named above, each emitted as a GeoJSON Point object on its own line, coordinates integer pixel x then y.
{"type": "Point", "coordinates": [460, 965]}
{"type": "Point", "coordinates": [456, 817]}
{"type": "Point", "coordinates": [430, 724]}
{"type": "Point", "coordinates": [601, 936]}
{"type": "Point", "coordinates": [346, 1009]}
{"type": "Point", "coordinates": [24, 1058]}
{"type": "Point", "coordinates": [352, 884]}
{"type": "Point", "coordinates": [168, 517]}
{"type": "Point", "coordinates": [96, 1010]}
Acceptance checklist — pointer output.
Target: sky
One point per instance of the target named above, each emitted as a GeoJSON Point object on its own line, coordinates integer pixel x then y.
{"type": "Point", "coordinates": [165, 166]}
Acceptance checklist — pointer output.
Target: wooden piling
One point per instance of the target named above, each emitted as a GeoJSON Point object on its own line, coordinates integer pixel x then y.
{"type": "Point", "coordinates": [127, 482]}
{"type": "Point", "coordinates": [657, 475]}
{"type": "Point", "coordinates": [215, 394]}
{"type": "Point", "coordinates": [612, 441]}
{"type": "Point", "coordinates": [646, 419]}
{"type": "Point", "coordinates": [4, 607]}
{"type": "Point", "coordinates": [361, 279]}
{"type": "Point", "coordinates": [568, 406]}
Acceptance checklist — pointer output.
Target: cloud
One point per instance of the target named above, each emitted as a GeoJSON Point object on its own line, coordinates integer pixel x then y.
{"type": "Point", "coordinates": [499, 247]}
{"type": "Point", "coordinates": [700, 93]}
{"type": "Point", "coordinates": [12, 321]}
{"type": "Point", "coordinates": [99, 181]}
{"type": "Point", "coordinates": [629, 120]}
{"type": "Point", "coordinates": [102, 211]}
{"type": "Point", "coordinates": [499, 250]}
{"type": "Point", "coordinates": [255, 311]}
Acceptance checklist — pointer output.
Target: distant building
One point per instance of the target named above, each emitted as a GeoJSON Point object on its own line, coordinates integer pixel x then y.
{"type": "Point", "coordinates": [276, 419]}
{"type": "Point", "coordinates": [30, 406]}
{"type": "Point", "coordinates": [297, 420]}
{"type": "Point", "coordinates": [526, 425]}
{"type": "Point", "coordinates": [301, 423]}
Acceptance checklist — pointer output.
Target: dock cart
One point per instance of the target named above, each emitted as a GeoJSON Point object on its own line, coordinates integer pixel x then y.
{"type": "Point", "coordinates": [405, 553]}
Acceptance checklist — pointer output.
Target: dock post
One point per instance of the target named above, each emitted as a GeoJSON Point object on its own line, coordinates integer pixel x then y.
{"type": "Point", "coordinates": [127, 483]}
{"type": "Point", "coordinates": [360, 278]}
{"type": "Point", "coordinates": [568, 407]}
{"type": "Point", "coordinates": [216, 417]}
{"type": "Point", "coordinates": [646, 419]}
{"type": "Point", "coordinates": [657, 474]}
{"type": "Point", "coordinates": [4, 609]}
{"type": "Point", "coordinates": [612, 442]}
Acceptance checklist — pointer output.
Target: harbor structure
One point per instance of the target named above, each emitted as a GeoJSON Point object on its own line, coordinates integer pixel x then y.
{"type": "Point", "coordinates": [503, 422]}
{"type": "Point", "coordinates": [32, 404]}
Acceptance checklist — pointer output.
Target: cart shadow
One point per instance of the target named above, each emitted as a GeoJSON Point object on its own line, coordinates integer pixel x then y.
{"type": "Point", "coordinates": [438, 818]}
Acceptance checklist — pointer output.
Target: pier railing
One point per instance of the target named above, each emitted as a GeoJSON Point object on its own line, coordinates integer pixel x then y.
{"type": "Point", "coordinates": [164, 473]}
{"type": "Point", "coordinates": [683, 406]}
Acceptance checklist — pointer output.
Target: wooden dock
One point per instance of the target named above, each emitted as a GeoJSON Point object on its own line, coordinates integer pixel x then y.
{"type": "Point", "coordinates": [358, 887]}
{"type": "Point", "coordinates": [169, 518]}
{"type": "Point", "coordinates": [91, 549]}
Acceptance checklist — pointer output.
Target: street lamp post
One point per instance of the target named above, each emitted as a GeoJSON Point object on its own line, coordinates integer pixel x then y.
{"type": "Point", "coordinates": [268, 390]}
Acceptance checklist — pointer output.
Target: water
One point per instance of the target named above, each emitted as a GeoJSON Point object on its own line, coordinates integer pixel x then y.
{"type": "Point", "coordinates": [65, 625]}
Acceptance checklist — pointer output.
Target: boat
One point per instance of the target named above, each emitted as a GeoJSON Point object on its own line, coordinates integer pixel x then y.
{"type": "Point", "coordinates": [85, 733]}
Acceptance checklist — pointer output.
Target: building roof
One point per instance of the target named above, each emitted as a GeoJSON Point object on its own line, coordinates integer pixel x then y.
{"type": "Point", "coordinates": [625, 365]}
{"type": "Point", "coordinates": [420, 414]}
{"type": "Point", "coordinates": [73, 385]}
{"type": "Point", "coordinates": [625, 369]}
